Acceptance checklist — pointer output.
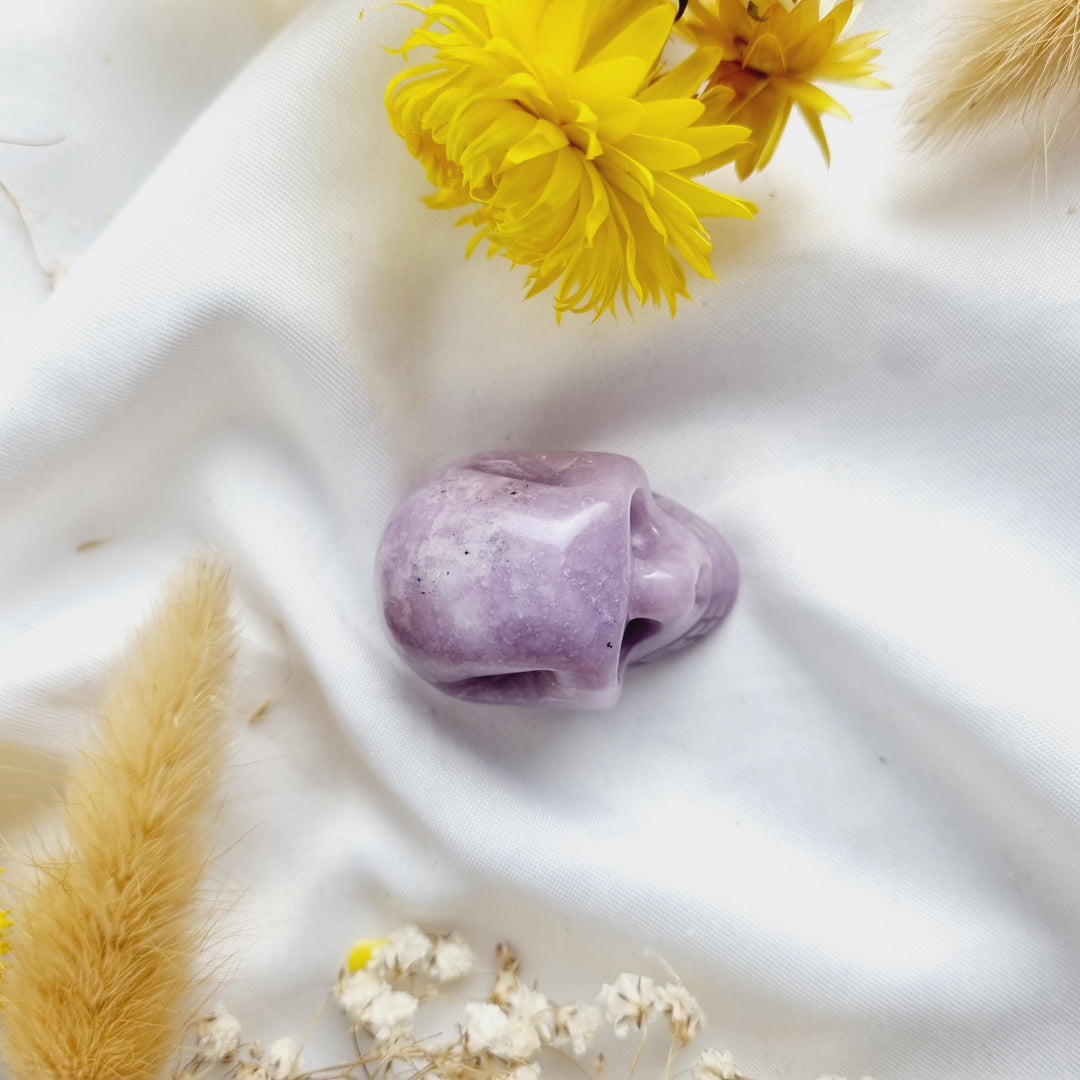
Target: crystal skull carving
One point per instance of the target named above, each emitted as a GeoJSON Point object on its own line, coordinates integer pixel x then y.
{"type": "Point", "coordinates": [537, 578]}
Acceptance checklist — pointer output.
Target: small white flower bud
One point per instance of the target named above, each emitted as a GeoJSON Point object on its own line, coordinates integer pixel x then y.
{"type": "Point", "coordinates": [452, 959]}
{"type": "Point", "coordinates": [406, 951]}
{"type": "Point", "coordinates": [356, 991]}
{"type": "Point", "coordinates": [576, 1027]}
{"type": "Point", "coordinates": [390, 1015]}
{"type": "Point", "coordinates": [628, 1002]}
{"type": "Point", "coordinates": [283, 1059]}
{"type": "Point", "coordinates": [716, 1065]}
{"type": "Point", "coordinates": [682, 1010]}
{"type": "Point", "coordinates": [219, 1035]}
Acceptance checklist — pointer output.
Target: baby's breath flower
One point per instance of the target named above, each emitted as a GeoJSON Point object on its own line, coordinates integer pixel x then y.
{"type": "Point", "coordinates": [682, 1010]}
{"type": "Point", "coordinates": [715, 1065]}
{"type": "Point", "coordinates": [558, 127]}
{"type": "Point", "coordinates": [283, 1059]}
{"type": "Point", "coordinates": [390, 1015]}
{"type": "Point", "coordinates": [250, 1070]}
{"type": "Point", "coordinates": [452, 958]}
{"type": "Point", "coordinates": [628, 1002]}
{"type": "Point", "coordinates": [255, 1049]}
{"type": "Point", "coordinates": [487, 1025]}
{"type": "Point", "coordinates": [533, 1007]}
{"type": "Point", "coordinates": [218, 1035]}
{"type": "Point", "coordinates": [356, 992]}
{"type": "Point", "coordinates": [510, 1037]}
{"type": "Point", "coordinates": [405, 952]}
{"type": "Point", "coordinates": [576, 1027]}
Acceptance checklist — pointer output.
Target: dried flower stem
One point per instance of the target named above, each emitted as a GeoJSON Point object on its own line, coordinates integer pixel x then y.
{"type": "Point", "coordinates": [493, 1043]}
{"type": "Point", "coordinates": [107, 935]}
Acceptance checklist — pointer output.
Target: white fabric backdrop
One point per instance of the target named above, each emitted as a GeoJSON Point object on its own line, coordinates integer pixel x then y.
{"type": "Point", "coordinates": [850, 819]}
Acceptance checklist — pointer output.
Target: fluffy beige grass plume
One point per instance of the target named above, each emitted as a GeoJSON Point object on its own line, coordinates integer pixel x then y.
{"type": "Point", "coordinates": [106, 935]}
{"type": "Point", "coordinates": [1004, 60]}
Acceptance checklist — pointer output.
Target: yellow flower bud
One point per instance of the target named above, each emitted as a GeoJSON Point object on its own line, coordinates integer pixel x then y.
{"type": "Point", "coordinates": [361, 952]}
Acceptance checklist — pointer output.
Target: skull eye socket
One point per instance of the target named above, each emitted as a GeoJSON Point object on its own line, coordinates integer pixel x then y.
{"type": "Point", "coordinates": [507, 686]}
{"type": "Point", "coordinates": [637, 631]}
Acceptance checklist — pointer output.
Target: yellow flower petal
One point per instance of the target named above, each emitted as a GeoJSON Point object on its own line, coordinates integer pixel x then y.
{"type": "Point", "coordinates": [621, 77]}
{"type": "Point", "coordinates": [812, 97]}
{"type": "Point", "coordinates": [813, 122]}
{"type": "Point", "coordinates": [659, 154]}
{"type": "Point", "coordinates": [645, 37]}
{"type": "Point", "coordinates": [671, 114]}
{"type": "Point", "coordinates": [685, 78]}
{"type": "Point", "coordinates": [765, 55]}
{"type": "Point", "coordinates": [361, 952]}
{"type": "Point", "coordinates": [542, 139]}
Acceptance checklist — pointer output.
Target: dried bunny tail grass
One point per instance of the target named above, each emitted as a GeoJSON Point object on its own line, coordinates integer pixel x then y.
{"type": "Point", "coordinates": [1007, 59]}
{"type": "Point", "coordinates": [105, 939]}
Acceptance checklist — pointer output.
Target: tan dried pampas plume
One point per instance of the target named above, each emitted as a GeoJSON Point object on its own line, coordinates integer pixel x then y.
{"type": "Point", "coordinates": [105, 938]}
{"type": "Point", "coordinates": [1005, 60]}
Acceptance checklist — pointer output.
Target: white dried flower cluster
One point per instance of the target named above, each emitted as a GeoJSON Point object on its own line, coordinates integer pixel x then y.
{"type": "Point", "coordinates": [510, 1036]}
{"type": "Point", "coordinates": [409, 951]}
{"type": "Point", "coordinates": [576, 1027]}
{"type": "Point", "coordinates": [451, 959]}
{"type": "Point", "coordinates": [283, 1059]}
{"type": "Point", "coordinates": [405, 952]}
{"type": "Point", "coordinates": [681, 1009]}
{"type": "Point", "coordinates": [715, 1065]}
{"type": "Point", "coordinates": [519, 1020]}
{"type": "Point", "coordinates": [370, 1002]}
{"type": "Point", "coordinates": [501, 1038]}
{"type": "Point", "coordinates": [218, 1037]}
{"type": "Point", "coordinates": [629, 1002]}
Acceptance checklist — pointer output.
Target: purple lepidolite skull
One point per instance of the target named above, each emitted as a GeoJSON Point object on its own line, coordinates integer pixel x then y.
{"type": "Point", "coordinates": [535, 578]}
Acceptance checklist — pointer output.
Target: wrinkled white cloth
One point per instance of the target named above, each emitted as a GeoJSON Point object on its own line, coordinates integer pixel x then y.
{"type": "Point", "coordinates": [849, 819]}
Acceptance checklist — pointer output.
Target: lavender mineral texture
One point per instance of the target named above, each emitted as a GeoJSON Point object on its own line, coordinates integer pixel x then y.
{"type": "Point", "coordinates": [536, 578]}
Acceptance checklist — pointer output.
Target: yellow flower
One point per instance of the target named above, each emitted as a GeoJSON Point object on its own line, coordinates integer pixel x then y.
{"type": "Point", "coordinates": [362, 951]}
{"type": "Point", "coordinates": [554, 120]}
{"type": "Point", "coordinates": [5, 947]}
{"type": "Point", "coordinates": [772, 53]}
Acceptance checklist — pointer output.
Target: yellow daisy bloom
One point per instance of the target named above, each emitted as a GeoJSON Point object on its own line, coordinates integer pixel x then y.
{"type": "Point", "coordinates": [772, 53]}
{"type": "Point", "coordinates": [554, 120]}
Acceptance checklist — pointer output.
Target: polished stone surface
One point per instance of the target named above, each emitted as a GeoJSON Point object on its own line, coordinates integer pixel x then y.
{"type": "Point", "coordinates": [535, 578]}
